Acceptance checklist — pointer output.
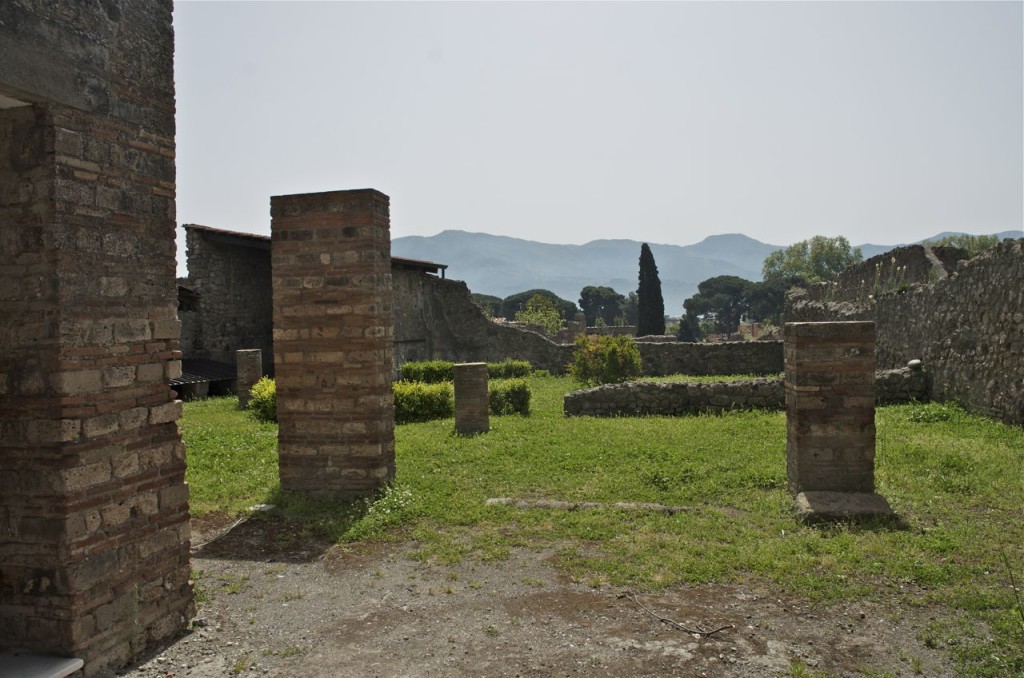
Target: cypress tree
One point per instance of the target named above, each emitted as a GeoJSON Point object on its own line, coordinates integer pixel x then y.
{"type": "Point", "coordinates": [650, 304]}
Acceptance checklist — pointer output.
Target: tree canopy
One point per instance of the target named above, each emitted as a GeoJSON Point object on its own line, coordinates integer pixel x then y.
{"type": "Point", "coordinates": [602, 302]}
{"type": "Point", "coordinates": [540, 310]}
{"type": "Point", "coordinates": [820, 258]}
{"type": "Point", "coordinates": [974, 244]}
{"type": "Point", "coordinates": [514, 303]}
{"type": "Point", "coordinates": [722, 299]}
{"type": "Point", "coordinates": [650, 317]}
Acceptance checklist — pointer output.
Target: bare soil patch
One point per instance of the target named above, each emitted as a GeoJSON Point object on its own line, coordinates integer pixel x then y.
{"type": "Point", "coordinates": [274, 604]}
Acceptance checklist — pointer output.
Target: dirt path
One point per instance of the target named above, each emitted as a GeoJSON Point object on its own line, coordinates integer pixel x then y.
{"type": "Point", "coordinates": [273, 610]}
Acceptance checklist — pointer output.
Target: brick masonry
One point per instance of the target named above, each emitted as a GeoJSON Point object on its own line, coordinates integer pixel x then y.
{"type": "Point", "coordinates": [333, 342]}
{"type": "Point", "coordinates": [94, 531]}
{"type": "Point", "coordinates": [830, 406]}
{"type": "Point", "coordinates": [249, 362]}
{"type": "Point", "coordinates": [471, 399]}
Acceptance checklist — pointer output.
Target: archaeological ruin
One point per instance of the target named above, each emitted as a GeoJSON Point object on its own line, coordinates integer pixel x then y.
{"type": "Point", "coordinates": [94, 523]}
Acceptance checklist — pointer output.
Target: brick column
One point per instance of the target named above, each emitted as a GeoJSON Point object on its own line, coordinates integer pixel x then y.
{"type": "Point", "coordinates": [471, 401]}
{"type": "Point", "coordinates": [830, 406]}
{"type": "Point", "coordinates": [830, 420]}
{"type": "Point", "coordinates": [249, 369]}
{"type": "Point", "coordinates": [333, 342]}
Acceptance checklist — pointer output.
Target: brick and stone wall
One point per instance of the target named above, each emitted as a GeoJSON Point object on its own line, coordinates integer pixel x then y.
{"type": "Point", "coordinates": [967, 328]}
{"type": "Point", "coordinates": [639, 398]}
{"type": "Point", "coordinates": [94, 532]}
{"type": "Point", "coordinates": [333, 341]}
{"type": "Point", "coordinates": [231, 275]}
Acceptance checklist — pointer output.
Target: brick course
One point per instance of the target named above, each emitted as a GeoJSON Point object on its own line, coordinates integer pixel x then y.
{"type": "Point", "coordinates": [333, 342]}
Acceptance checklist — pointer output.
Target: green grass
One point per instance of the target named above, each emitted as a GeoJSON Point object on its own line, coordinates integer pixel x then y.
{"type": "Point", "coordinates": [954, 479]}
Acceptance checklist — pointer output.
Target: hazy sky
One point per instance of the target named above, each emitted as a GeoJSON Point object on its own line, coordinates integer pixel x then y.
{"type": "Point", "coordinates": [566, 122]}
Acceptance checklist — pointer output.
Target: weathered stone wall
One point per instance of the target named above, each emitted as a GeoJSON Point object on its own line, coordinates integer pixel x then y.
{"type": "Point", "coordinates": [94, 532]}
{"type": "Point", "coordinates": [234, 310]}
{"type": "Point", "coordinates": [639, 398]}
{"type": "Point", "coordinates": [333, 340]}
{"type": "Point", "coordinates": [968, 329]}
{"type": "Point", "coordinates": [734, 357]}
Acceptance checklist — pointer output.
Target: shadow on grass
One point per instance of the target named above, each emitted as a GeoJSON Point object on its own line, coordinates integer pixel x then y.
{"type": "Point", "coordinates": [290, 527]}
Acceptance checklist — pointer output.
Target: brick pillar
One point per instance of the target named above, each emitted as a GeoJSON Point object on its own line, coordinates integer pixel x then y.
{"type": "Point", "coordinates": [333, 342]}
{"type": "Point", "coordinates": [249, 369]}
{"type": "Point", "coordinates": [471, 401]}
{"type": "Point", "coordinates": [830, 406]}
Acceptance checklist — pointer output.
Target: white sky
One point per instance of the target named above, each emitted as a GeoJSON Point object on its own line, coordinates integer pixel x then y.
{"type": "Point", "coordinates": [567, 122]}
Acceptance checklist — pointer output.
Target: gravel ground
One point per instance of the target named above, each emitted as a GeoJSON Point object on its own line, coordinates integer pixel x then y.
{"type": "Point", "coordinates": [267, 609]}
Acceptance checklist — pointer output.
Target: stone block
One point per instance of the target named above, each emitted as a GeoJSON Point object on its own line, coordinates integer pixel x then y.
{"type": "Point", "coordinates": [164, 414]}
{"type": "Point", "coordinates": [76, 383]}
{"type": "Point", "coordinates": [471, 398]}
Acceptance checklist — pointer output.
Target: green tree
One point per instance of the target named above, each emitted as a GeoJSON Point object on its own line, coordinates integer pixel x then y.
{"type": "Point", "coordinates": [722, 300]}
{"type": "Point", "coordinates": [604, 360]}
{"type": "Point", "coordinates": [689, 328]}
{"type": "Point", "coordinates": [815, 260]}
{"type": "Point", "coordinates": [629, 312]}
{"type": "Point", "coordinates": [601, 302]}
{"type": "Point", "coordinates": [650, 316]}
{"type": "Point", "coordinates": [974, 244]}
{"type": "Point", "coordinates": [489, 304]}
{"type": "Point", "coordinates": [766, 300]}
{"type": "Point", "coordinates": [540, 310]}
{"type": "Point", "coordinates": [514, 303]}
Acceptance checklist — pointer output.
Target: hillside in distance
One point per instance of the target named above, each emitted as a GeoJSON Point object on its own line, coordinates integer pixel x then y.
{"type": "Point", "coordinates": [501, 265]}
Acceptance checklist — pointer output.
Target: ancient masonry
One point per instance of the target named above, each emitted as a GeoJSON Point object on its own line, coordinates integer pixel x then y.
{"type": "Point", "coordinates": [249, 362]}
{"type": "Point", "coordinates": [94, 529]}
{"type": "Point", "coordinates": [830, 406]}
{"type": "Point", "coordinates": [471, 400]}
{"type": "Point", "coordinates": [333, 342]}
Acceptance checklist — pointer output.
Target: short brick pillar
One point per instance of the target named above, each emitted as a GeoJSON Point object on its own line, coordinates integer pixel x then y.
{"type": "Point", "coordinates": [830, 406]}
{"type": "Point", "coordinates": [471, 401]}
{"type": "Point", "coordinates": [333, 342]}
{"type": "Point", "coordinates": [249, 366]}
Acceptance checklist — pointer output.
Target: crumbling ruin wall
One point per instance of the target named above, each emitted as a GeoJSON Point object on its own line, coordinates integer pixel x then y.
{"type": "Point", "coordinates": [94, 531]}
{"type": "Point", "coordinates": [968, 329]}
{"type": "Point", "coordinates": [234, 308]}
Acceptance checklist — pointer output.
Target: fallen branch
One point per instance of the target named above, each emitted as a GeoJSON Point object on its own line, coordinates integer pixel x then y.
{"type": "Point", "coordinates": [699, 632]}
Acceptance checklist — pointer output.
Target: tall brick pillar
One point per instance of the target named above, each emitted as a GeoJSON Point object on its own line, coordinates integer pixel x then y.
{"type": "Point", "coordinates": [94, 524]}
{"type": "Point", "coordinates": [471, 400]}
{"type": "Point", "coordinates": [830, 417]}
{"type": "Point", "coordinates": [333, 342]}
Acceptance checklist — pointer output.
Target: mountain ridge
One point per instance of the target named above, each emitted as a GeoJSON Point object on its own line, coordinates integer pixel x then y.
{"type": "Point", "coordinates": [501, 265]}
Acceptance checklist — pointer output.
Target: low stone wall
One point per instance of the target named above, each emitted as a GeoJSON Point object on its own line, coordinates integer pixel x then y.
{"type": "Point", "coordinates": [641, 398]}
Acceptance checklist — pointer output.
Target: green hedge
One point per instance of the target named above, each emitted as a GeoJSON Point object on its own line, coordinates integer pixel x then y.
{"type": "Point", "coordinates": [427, 371]}
{"type": "Point", "coordinates": [604, 360]}
{"type": "Point", "coordinates": [414, 401]}
{"type": "Point", "coordinates": [509, 396]}
{"type": "Point", "coordinates": [436, 371]}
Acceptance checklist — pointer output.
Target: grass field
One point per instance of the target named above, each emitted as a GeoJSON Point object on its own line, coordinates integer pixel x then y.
{"type": "Point", "coordinates": [956, 481]}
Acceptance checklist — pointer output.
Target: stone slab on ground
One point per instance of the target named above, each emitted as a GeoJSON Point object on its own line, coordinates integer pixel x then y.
{"type": "Point", "coordinates": [817, 507]}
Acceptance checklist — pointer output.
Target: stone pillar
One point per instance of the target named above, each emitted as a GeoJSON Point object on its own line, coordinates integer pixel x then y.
{"type": "Point", "coordinates": [94, 524]}
{"type": "Point", "coordinates": [333, 342]}
{"type": "Point", "coordinates": [249, 369]}
{"type": "Point", "coordinates": [830, 417]}
{"type": "Point", "coordinates": [471, 399]}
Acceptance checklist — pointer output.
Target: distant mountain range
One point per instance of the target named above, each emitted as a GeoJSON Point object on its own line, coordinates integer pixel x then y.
{"type": "Point", "coordinates": [500, 265]}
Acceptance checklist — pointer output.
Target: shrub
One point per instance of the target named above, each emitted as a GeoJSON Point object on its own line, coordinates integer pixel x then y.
{"type": "Point", "coordinates": [510, 396]}
{"type": "Point", "coordinates": [604, 360]}
{"type": "Point", "coordinates": [263, 399]}
{"type": "Point", "coordinates": [417, 401]}
{"type": "Point", "coordinates": [508, 369]}
{"type": "Point", "coordinates": [427, 371]}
